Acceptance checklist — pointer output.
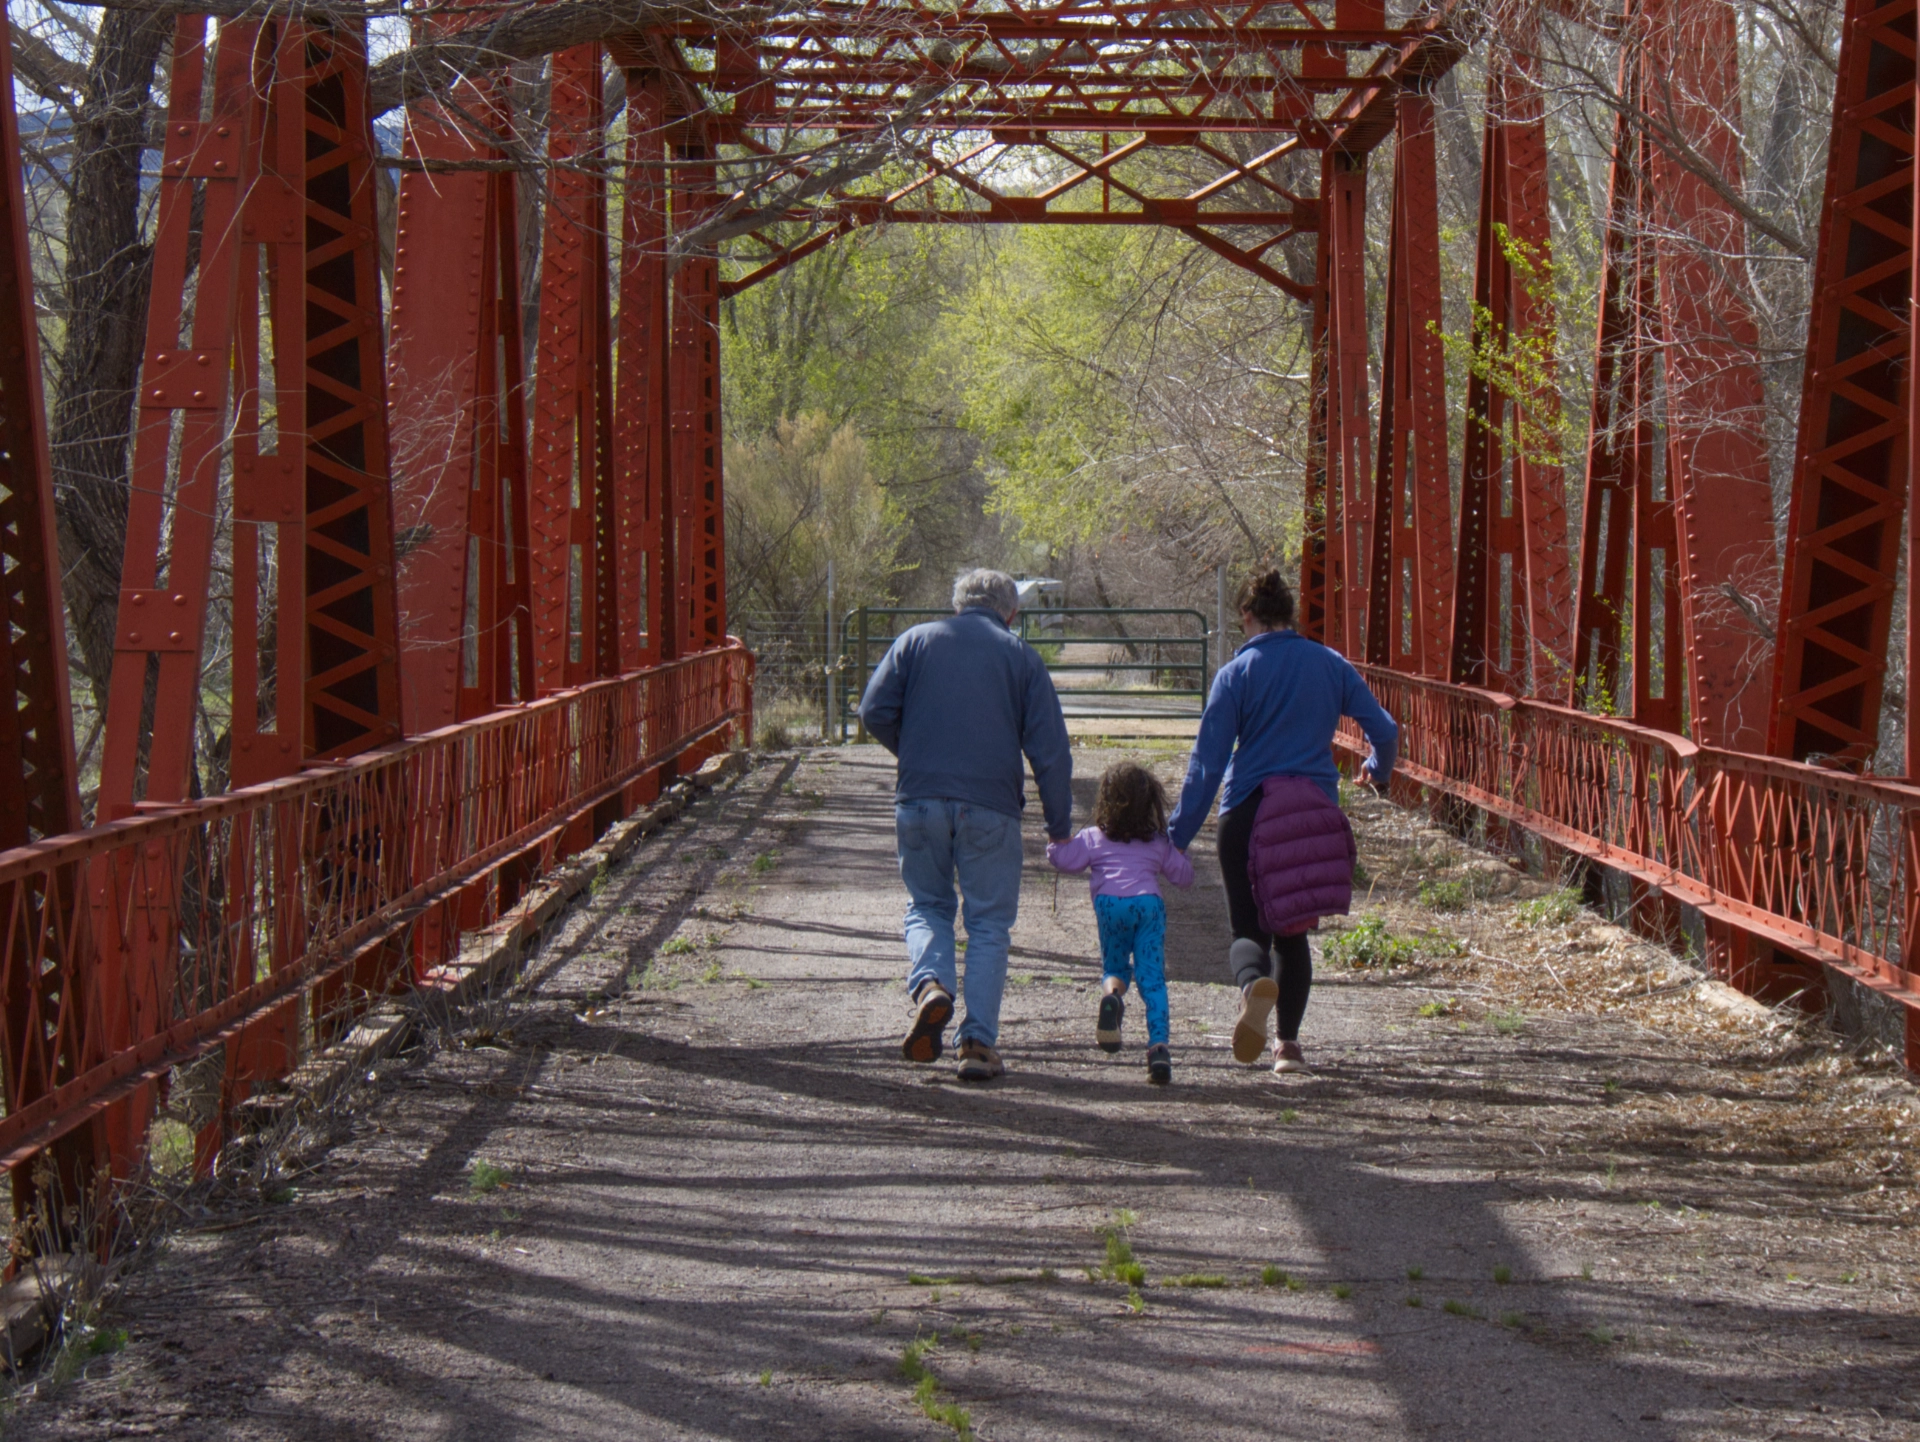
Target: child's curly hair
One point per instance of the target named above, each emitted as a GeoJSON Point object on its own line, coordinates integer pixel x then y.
{"type": "Point", "coordinates": [1132, 805]}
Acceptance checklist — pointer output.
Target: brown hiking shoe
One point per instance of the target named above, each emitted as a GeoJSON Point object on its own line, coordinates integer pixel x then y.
{"type": "Point", "coordinates": [979, 1062]}
{"type": "Point", "coordinates": [1287, 1057]}
{"type": "Point", "coordinates": [929, 1020]}
{"type": "Point", "coordinates": [1250, 1031]}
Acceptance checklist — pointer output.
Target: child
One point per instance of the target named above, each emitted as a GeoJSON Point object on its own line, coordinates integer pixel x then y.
{"type": "Point", "coordinates": [1128, 850]}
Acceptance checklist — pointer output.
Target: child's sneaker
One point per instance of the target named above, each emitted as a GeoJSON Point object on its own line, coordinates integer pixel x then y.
{"type": "Point", "coordinates": [1106, 1031]}
{"type": "Point", "coordinates": [1159, 1065]}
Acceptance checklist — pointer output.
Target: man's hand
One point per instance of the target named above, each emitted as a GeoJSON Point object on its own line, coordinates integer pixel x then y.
{"type": "Point", "coordinates": [1369, 780]}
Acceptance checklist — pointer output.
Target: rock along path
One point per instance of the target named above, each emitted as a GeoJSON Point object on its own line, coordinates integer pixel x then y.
{"type": "Point", "coordinates": [730, 1211]}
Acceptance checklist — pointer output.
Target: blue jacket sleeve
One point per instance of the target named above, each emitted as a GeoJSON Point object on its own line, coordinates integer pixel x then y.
{"type": "Point", "coordinates": [1043, 737]}
{"type": "Point", "coordinates": [1212, 749]}
{"type": "Point", "coordinates": [885, 700]}
{"type": "Point", "coordinates": [1381, 730]}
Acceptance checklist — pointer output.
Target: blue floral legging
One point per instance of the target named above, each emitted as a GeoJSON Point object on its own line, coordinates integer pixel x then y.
{"type": "Point", "coordinates": [1133, 948]}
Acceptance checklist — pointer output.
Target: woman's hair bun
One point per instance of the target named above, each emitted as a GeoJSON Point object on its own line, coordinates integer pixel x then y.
{"type": "Point", "coordinates": [1268, 597]}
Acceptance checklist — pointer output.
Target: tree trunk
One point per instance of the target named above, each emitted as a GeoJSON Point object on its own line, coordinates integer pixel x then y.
{"type": "Point", "coordinates": [107, 276]}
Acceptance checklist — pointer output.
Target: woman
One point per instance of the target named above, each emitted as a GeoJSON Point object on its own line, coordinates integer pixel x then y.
{"type": "Point", "coordinates": [1272, 712]}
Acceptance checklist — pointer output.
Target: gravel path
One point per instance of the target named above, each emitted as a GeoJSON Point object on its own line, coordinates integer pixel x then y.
{"type": "Point", "coordinates": [730, 1211]}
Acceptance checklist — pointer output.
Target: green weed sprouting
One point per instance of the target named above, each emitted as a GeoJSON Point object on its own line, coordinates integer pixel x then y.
{"type": "Point", "coordinates": [1556, 908]}
{"type": "Point", "coordinates": [1368, 944]}
{"type": "Point", "coordinates": [1443, 895]}
{"type": "Point", "coordinates": [1197, 1279]}
{"type": "Point", "coordinates": [484, 1177]}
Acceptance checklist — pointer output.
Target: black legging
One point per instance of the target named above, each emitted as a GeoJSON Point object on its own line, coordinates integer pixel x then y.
{"type": "Point", "coordinates": [1296, 957]}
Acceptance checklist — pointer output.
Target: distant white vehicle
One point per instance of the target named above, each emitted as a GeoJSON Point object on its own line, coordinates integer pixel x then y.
{"type": "Point", "coordinates": [1040, 593]}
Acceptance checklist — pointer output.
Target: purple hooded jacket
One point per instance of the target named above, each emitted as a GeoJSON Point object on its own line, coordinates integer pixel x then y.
{"type": "Point", "coordinates": [1300, 856]}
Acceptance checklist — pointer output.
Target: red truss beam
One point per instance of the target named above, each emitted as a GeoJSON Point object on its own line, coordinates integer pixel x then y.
{"type": "Point", "coordinates": [457, 378]}
{"type": "Point", "coordinates": [1512, 590]}
{"type": "Point", "coordinates": [1349, 482]}
{"type": "Point", "coordinates": [1701, 528]}
{"type": "Point", "coordinates": [1850, 466]}
{"type": "Point", "coordinates": [1411, 563]}
{"type": "Point", "coordinates": [275, 183]}
{"type": "Point", "coordinates": [699, 508]}
{"type": "Point", "coordinates": [1093, 190]}
{"type": "Point", "coordinates": [1628, 537]}
{"type": "Point", "coordinates": [647, 571]}
{"type": "Point", "coordinates": [573, 500]}
{"type": "Point", "coordinates": [280, 174]}
{"type": "Point", "coordinates": [38, 798]}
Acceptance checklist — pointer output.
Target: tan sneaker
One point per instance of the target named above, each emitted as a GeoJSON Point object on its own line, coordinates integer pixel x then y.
{"type": "Point", "coordinates": [930, 1018]}
{"type": "Point", "coordinates": [979, 1062]}
{"type": "Point", "coordinates": [1250, 1032]}
{"type": "Point", "coordinates": [1287, 1057]}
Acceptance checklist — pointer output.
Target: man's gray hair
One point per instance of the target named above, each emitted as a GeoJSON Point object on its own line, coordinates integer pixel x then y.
{"type": "Point", "coordinates": [982, 587]}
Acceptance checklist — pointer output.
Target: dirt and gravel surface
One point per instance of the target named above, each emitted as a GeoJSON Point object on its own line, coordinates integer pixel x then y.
{"type": "Point", "coordinates": [679, 1185]}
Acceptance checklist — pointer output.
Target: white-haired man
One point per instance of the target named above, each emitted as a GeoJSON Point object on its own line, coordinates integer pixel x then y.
{"type": "Point", "coordinates": [958, 701]}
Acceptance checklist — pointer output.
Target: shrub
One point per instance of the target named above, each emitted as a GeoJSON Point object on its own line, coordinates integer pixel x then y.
{"type": "Point", "coordinates": [1369, 943]}
{"type": "Point", "coordinates": [1443, 895]}
{"type": "Point", "coordinates": [1556, 908]}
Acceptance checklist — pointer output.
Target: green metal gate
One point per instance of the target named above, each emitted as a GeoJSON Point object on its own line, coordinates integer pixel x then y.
{"type": "Point", "coordinates": [1100, 666]}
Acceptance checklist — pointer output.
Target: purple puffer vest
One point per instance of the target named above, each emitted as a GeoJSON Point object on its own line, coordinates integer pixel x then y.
{"type": "Point", "coordinates": [1300, 856]}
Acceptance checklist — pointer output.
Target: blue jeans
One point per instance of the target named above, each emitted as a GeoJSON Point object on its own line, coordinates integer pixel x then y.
{"type": "Point", "coordinates": [939, 840]}
{"type": "Point", "coordinates": [1133, 949]}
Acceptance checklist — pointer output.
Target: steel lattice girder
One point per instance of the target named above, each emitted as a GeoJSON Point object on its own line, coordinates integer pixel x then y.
{"type": "Point", "coordinates": [1628, 515]}
{"type": "Point", "coordinates": [38, 796]}
{"type": "Point", "coordinates": [572, 499]}
{"type": "Point", "coordinates": [1349, 483]}
{"type": "Point", "coordinates": [279, 172]}
{"type": "Point", "coordinates": [1512, 588]}
{"type": "Point", "coordinates": [647, 571]}
{"type": "Point", "coordinates": [1716, 405]}
{"type": "Point", "coordinates": [1850, 465]}
{"type": "Point", "coordinates": [457, 378]}
{"type": "Point", "coordinates": [1411, 579]}
{"type": "Point", "coordinates": [1060, 65]}
{"type": "Point", "coordinates": [694, 394]}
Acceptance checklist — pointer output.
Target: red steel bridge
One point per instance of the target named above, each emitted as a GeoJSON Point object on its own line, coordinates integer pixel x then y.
{"type": "Point", "coordinates": [439, 690]}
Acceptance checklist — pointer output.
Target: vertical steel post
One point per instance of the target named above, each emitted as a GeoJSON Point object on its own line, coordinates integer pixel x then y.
{"type": "Point", "coordinates": [1314, 601]}
{"type": "Point", "coordinates": [457, 380]}
{"type": "Point", "coordinates": [570, 494]}
{"type": "Point", "coordinates": [646, 559]}
{"type": "Point", "coordinates": [1343, 198]}
{"type": "Point", "coordinates": [695, 379]}
{"type": "Point", "coordinates": [1411, 549]}
{"type": "Point", "coordinates": [1627, 533]}
{"type": "Point", "coordinates": [1717, 479]}
{"type": "Point", "coordinates": [38, 795]}
{"type": "Point", "coordinates": [1850, 463]}
{"type": "Point", "coordinates": [1512, 588]}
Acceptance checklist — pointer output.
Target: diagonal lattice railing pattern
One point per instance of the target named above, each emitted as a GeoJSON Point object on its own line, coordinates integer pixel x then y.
{"type": "Point", "coordinates": [259, 918]}
{"type": "Point", "coordinates": [1820, 862]}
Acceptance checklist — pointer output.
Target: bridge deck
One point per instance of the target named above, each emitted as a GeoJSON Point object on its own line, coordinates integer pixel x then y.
{"type": "Point", "coordinates": [721, 1180]}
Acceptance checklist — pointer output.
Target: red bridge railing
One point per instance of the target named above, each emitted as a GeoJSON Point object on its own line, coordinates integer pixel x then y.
{"type": "Point", "coordinates": [1821, 863]}
{"type": "Point", "coordinates": [260, 919]}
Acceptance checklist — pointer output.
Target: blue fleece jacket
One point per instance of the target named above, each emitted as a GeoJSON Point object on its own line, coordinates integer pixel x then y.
{"type": "Point", "coordinates": [958, 700]}
{"type": "Point", "coordinates": [1280, 698]}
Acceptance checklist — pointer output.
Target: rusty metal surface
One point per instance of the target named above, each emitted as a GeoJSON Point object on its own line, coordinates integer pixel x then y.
{"type": "Point", "coordinates": [1819, 862]}
{"type": "Point", "coordinates": [227, 909]}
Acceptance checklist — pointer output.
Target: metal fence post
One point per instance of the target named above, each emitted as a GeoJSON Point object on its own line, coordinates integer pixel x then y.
{"type": "Point", "coordinates": [861, 735]}
{"type": "Point", "coordinates": [830, 722]}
